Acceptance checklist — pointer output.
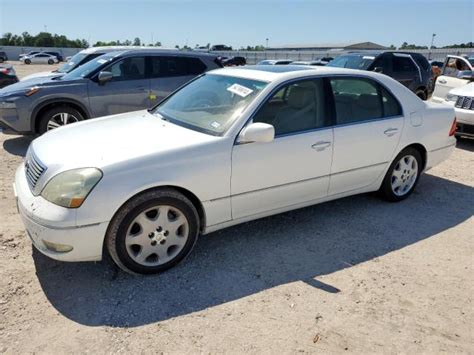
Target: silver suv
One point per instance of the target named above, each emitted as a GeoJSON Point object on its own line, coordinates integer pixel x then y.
{"type": "Point", "coordinates": [113, 83]}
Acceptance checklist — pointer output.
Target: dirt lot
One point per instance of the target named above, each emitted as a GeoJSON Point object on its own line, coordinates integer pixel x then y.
{"type": "Point", "coordinates": [354, 275]}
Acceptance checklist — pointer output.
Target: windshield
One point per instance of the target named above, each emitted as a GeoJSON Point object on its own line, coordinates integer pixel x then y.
{"type": "Point", "coordinates": [89, 67]}
{"type": "Point", "coordinates": [72, 63]}
{"type": "Point", "coordinates": [211, 103]}
{"type": "Point", "coordinates": [352, 62]}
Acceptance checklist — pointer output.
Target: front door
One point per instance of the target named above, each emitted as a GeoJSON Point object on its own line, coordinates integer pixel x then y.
{"type": "Point", "coordinates": [292, 169]}
{"type": "Point", "coordinates": [369, 124]}
{"type": "Point", "coordinates": [128, 90]}
{"type": "Point", "coordinates": [448, 79]}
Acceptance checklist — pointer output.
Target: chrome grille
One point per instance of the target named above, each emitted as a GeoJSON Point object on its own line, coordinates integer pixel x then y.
{"type": "Point", "coordinates": [465, 102]}
{"type": "Point", "coordinates": [34, 169]}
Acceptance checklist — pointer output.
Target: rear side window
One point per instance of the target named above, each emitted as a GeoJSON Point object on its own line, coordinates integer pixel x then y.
{"type": "Point", "coordinates": [162, 67]}
{"type": "Point", "coordinates": [361, 99]}
{"type": "Point", "coordinates": [403, 64]}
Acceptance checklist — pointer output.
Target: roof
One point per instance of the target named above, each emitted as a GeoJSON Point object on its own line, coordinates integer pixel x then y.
{"type": "Point", "coordinates": [150, 51]}
{"type": "Point", "coordinates": [271, 73]}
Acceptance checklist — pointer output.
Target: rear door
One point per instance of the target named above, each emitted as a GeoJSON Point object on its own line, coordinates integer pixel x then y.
{"type": "Point", "coordinates": [448, 79]}
{"type": "Point", "coordinates": [405, 70]}
{"type": "Point", "coordinates": [127, 91]}
{"type": "Point", "coordinates": [369, 123]}
{"type": "Point", "coordinates": [40, 58]}
{"type": "Point", "coordinates": [167, 73]}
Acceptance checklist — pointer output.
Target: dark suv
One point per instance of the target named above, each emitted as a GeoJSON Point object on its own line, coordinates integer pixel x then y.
{"type": "Point", "coordinates": [113, 83]}
{"type": "Point", "coordinates": [411, 69]}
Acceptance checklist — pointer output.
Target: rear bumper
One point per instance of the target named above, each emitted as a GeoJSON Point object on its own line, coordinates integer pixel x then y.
{"type": "Point", "coordinates": [439, 155]}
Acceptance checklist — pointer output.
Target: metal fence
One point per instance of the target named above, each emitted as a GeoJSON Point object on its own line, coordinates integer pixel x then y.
{"type": "Point", "coordinates": [13, 52]}
{"type": "Point", "coordinates": [254, 57]}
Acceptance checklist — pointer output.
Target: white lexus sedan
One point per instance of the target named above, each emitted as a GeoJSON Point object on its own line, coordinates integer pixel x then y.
{"type": "Point", "coordinates": [233, 145]}
{"type": "Point", "coordinates": [39, 58]}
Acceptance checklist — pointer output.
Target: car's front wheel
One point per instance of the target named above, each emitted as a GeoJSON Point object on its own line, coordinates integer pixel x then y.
{"type": "Point", "coordinates": [153, 231]}
{"type": "Point", "coordinates": [402, 176]}
{"type": "Point", "coordinates": [50, 61]}
{"type": "Point", "coordinates": [57, 117]}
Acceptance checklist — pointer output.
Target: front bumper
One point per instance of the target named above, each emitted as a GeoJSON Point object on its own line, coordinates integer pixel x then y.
{"type": "Point", "coordinates": [49, 225]}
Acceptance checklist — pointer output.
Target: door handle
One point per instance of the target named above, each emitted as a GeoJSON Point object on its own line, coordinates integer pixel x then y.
{"type": "Point", "coordinates": [390, 131]}
{"type": "Point", "coordinates": [442, 81]}
{"type": "Point", "coordinates": [320, 146]}
{"type": "Point", "coordinates": [141, 88]}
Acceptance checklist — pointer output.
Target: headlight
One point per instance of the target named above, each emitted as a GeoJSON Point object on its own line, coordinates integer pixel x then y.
{"type": "Point", "coordinates": [451, 97]}
{"type": "Point", "coordinates": [70, 188]}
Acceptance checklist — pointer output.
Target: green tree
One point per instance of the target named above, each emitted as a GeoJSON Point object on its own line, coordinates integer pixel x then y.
{"type": "Point", "coordinates": [137, 42]}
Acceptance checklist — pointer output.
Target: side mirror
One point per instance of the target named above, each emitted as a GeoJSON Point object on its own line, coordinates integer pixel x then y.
{"type": "Point", "coordinates": [378, 69]}
{"type": "Point", "coordinates": [104, 76]}
{"type": "Point", "coordinates": [466, 75]}
{"type": "Point", "coordinates": [257, 132]}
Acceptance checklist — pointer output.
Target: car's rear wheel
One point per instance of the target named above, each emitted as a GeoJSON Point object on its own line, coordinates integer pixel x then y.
{"type": "Point", "coordinates": [50, 61]}
{"type": "Point", "coordinates": [402, 176]}
{"type": "Point", "coordinates": [153, 232]}
{"type": "Point", "coordinates": [27, 61]}
{"type": "Point", "coordinates": [1, 60]}
{"type": "Point", "coordinates": [57, 117]}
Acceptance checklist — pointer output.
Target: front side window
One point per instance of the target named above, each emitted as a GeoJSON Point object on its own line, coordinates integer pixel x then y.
{"type": "Point", "coordinates": [211, 103]}
{"type": "Point", "coordinates": [361, 99]}
{"type": "Point", "coordinates": [132, 68]}
{"type": "Point", "coordinates": [403, 64]}
{"type": "Point", "coordinates": [297, 107]}
{"type": "Point", "coordinates": [352, 62]}
{"type": "Point", "coordinates": [454, 66]}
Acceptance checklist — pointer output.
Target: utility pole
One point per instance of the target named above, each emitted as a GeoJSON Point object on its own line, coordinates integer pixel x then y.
{"type": "Point", "coordinates": [267, 43]}
{"type": "Point", "coordinates": [431, 46]}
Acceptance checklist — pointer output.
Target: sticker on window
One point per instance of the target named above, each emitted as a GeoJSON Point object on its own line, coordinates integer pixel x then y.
{"type": "Point", "coordinates": [215, 124]}
{"type": "Point", "coordinates": [101, 61]}
{"type": "Point", "coordinates": [240, 90]}
{"type": "Point", "coordinates": [368, 57]}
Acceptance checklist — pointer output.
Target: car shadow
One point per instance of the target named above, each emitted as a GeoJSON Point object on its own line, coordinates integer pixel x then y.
{"type": "Point", "coordinates": [17, 145]}
{"type": "Point", "coordinates": [465, 144]}
{"type": "Point", "coordinates": [246, 259]}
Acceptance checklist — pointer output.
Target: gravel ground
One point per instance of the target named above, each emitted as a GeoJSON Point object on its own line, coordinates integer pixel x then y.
{"type": "Point", "coordinates": [354, 275]}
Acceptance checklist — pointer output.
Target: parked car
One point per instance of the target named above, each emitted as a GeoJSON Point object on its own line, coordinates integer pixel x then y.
{"type": "Point", "coordinates": [310, 62]}
{"type": "Point", "coordinates": [462, 98]}
{"type": "Point", "coordinates": [39, 58]}
{"type": "Point", "coordinates": [29, 53]}
{"type": "Point", "coordinates": [57, 55]}
{"type": "Point", "coordinates": [454, 74]}
{"type": "Point", "coordinates": [7, 75]}
{"type": "Point", "coordinates": [3, 57]}
{"type": "Point", "coordinates": [233, 61]}
{"type": "Point", "coordinates": [79, 59]}
{"type": "Point", "coordinates": [274, 62]}
{"type": "Point", "coordinates": [411, 69]}
{"type": "Point", "coordinates": [112, 83]}
{"type": "Point", "coordinates": [234, 145]}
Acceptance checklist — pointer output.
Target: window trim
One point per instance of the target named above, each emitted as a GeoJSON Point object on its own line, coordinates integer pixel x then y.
{"type": "Point", "coordinates": [335, 125]}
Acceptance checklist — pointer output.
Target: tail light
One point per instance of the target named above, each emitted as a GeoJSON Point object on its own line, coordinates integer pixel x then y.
{"type": "Point", "coordinates": [452, 130]}
{"type": "Point", "coordinates": [7, 71]}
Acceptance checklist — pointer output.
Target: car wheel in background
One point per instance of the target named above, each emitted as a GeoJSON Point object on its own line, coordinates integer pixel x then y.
{"type": "Point", "coordinates": [402, 176]}
{"type": "Point", "coordinates": [27, 61]}
{"type": "Point", "coordinates": [421, 94]}
{"type": "Point", "coordinates": [50, 61]}
{"type": "Point", "coordinates": [57, 117]}
{"type": "Point", "coordinates": [1, 60]}
{"type": "Point", "coordinates": [153, 232]}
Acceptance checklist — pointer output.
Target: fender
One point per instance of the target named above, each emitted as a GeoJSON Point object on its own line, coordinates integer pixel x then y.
{"type": "Point", "coordinates": [38, 108]}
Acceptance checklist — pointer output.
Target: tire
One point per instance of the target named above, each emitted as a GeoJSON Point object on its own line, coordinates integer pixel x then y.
{"type": "Point", "coordinates": [421, 94]}
{"type": "Point", "coordinates": [27, 61]}
{"type": "Point", "coordinates": [50, 61]}
{"type": "Point", "coordinates": [395, 176]}
{"type": "Point", "coordinates": [1, 60]}
{"type": "Point", "coordinates": [133, 221]}
{"type": "Point", "coordinates": [57, 117]}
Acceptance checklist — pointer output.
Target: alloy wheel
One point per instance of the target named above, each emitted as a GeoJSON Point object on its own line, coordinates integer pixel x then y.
{"type": "Point", "coordinates": [61, 119]}
{"type": "Point", "coordinates": [157, 235]}
{"type": "Point", "coordinates": [404, 175]}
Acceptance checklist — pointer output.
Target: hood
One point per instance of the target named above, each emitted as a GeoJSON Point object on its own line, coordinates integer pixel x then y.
{"type": "Point", "coordinates": [114, 139]}
{"type": "Point", "coordinates": [41, 75]}
{"type": "Point", "coordinates": [43, 82]}
{"type": "Point", "coordinates": [465, 90]}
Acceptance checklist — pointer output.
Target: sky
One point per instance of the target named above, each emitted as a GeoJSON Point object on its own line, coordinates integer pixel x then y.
{"type": "Point", "coordinates": [245, 22]}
